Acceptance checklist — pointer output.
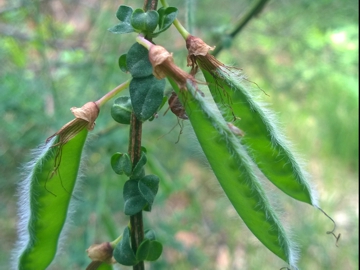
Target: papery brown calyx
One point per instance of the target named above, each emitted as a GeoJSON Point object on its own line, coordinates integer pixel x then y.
{"type": "Point", "coordinates": [164, 66]}
{"type": "Point", "coordinates": [84, 118]}
{"type": "Point", "coordinates": [101, 253]}
{"type": "Point", "coordinates": [198, 55]}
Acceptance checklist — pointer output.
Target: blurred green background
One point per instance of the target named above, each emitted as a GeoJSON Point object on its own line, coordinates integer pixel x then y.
{"type": "Point", "coordinates": [304, 54]}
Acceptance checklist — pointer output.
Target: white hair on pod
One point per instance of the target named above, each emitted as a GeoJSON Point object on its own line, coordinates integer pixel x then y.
{"type": "Point", "coordinates": [239, 153]}
{"type": "Point", "coordinates": [278, 139]}
{"type": "Point", "coordinates": [23, 194]}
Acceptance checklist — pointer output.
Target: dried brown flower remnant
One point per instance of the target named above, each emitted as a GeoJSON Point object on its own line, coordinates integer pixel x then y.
{"type": "Point", "coordinates": [198, 54]}
{"type": "Point", "coordinates": [163, 66]}
{"type": "Point", "coordinates": [85, 118]}
{"type": "Point", "coordinates": [100, 253]}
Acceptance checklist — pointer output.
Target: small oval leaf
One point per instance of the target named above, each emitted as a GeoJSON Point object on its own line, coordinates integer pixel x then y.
{"type": "Point", "coordinates": [133, 200]}
{"type": "Point", "coordinates": [124, 13]}
{"type": "Point", "coordinates": [146, 96]}
{"type": "Point", "coordinates": [122, 63]}
{"type": "Point", "coordinates": [123, 252]}
{"type": "Point", "coordinates": [137, 61]}
{"type": "Point", "coordinates": [139, 167]}
{"type": "Point", "coordinates": [145, 21]}
{"type": "Point", "coordinates": [143, 250]}
{"type": "Point", "coordinates": [155, 250]}
{"type": "Point", "coordinates": [166, 18]}
{"type": "Point", "coordinates": [148, 187]}
{"type": "Point", "coordinates": [121, 110]}
{"type": "Point", "coordinates": [121, 164]}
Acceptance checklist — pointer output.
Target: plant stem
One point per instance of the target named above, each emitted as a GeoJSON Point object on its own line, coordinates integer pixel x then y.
{"type": "Point", "coordinates": [252, 12]}
{"type": "Point", "coordinates": [136, 221]}
{"type": "Point", "coordinates": [112, 93]}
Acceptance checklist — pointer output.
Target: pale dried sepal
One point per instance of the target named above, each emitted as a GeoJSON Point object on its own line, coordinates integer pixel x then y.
{"type": "Point", "coordinates": [164, 66]}
{"type": "Point", "coordinates": [158, 55]}
{"type": "Point", "coordinates": [101, 253]}
{"type": "Point", "coordinates": [196, 46]}
{"type": "Point", "coordinates": [88, 112]}
{"type": "Point", "coordinates": [85, 117]}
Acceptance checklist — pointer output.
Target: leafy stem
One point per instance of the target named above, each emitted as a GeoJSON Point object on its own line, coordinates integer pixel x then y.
{"type": "Point", "coordinates": [136, 221]}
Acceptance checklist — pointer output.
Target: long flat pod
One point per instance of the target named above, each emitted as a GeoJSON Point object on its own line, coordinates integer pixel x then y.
{"type": "Point", "coordinates": [45, 197]}
{"type": "Point", "coordinates": [234, 171]}
{"type": "Point", "coordinates": [265, 144]}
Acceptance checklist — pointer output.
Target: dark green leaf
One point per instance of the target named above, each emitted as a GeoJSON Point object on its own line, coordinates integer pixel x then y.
{"type": "Point", "coordinates": [149, 186]}
{"type": "Point", "coordinates": [155, 251]}
{"type": "Point", "coordinates": [137, 61]}
{"type": "Point", "coordinates": [150, 234]}
{"type": "Point", "coordinates": [143, 250]}
{"type": "Point", "coordinates": [138, 170]}
{"type": "Point", "coordinates": [121, 164]}
{"type": "Point", "coordinates": [146, 96]}
{"type": "Point", "coordinates": [123, 252]}
{"type": "Point", "coordinates": [121, 28]}
{"type": "Point", "coordinates": [121, 110]}
{"type": "Point", "coordinates": [124, 13]}
{"type": "Point", "coordinates": [145, 21]}
{"type": "Point", "coordinates": [166, 18]}
{"type": "Point", "coordinates": [122, 63]}
{"type": "Point", "coordinates": [133, 200]}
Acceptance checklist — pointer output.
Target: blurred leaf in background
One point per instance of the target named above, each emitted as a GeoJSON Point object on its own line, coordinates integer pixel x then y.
{"type": "Point", "coordinates": [304, 54]}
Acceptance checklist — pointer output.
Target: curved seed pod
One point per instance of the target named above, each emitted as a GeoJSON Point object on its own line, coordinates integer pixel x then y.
{"type": "Point", "coordinates": [45, 197]}
{"type": "Point", "coordinates": [46, 192]}
{"type": "Point", "coordinates": [264, 142]}
{"type": "Point", "coordinates": [234, 171]}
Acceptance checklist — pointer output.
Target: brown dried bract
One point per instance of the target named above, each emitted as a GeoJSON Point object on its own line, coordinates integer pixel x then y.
{"type": "Point", "coordinates": [198, 54]}
{"type": "Point", "coordinates": [100, 253]}
{"type": "Point", "coordinates": [163, 66]}
{"type": "Point", "coordinates": [85, 118]}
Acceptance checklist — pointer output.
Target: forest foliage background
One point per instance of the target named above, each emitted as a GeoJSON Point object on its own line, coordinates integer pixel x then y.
{"type": "Point", "coordinates": [304, 54]}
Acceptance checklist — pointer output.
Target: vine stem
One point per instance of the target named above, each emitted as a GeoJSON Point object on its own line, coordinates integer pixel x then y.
{"type": "Point", "coordinates": [136, 221]}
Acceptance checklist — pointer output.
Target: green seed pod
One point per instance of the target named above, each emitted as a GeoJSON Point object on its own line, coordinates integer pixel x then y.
{"type": "Point", "coordinates": [45, 199]}
{"type": "Point", "coordinates": [235, 172]}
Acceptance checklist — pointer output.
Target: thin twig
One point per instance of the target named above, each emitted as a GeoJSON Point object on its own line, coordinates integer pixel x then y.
{"type": "Point", "coordinates": [253, 11]}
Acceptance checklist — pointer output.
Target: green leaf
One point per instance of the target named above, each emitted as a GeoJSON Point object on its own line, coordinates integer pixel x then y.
{"type": "Point", "coordinates": [148, 187]}
{"type": "Point", "coordinates": [145, 22]}
{"type": "Point", "coordinates": [133, 200]}
{"type": "Point", "coordinates": [121, 110]}
{"type": "Point", "coordinates": [122, 63]}
{"type": "Point", "coordinates": [266, 145]}
{"type": "Point", "coordinates": [138, 170]}
{"type": "Point", "coordinates": [45, 199]}
{"type": "Point", "coordinates": [121, 28]}
{"type": "Point", "coordinates": [149, 234]}
{"type": "Point", "coordinates": [146, 96]}
{"type": "Point", "coordinates": [124, 15]}
{"type": "Point", "coordinates": [235, 172]}
{"type": "Point", "coordinates": [155, 250]}
{"type": "Point", "coordinates": [137, 61]}
{"type": "Point", "coordinates": [123, 252]}
{"type": "Point", "coordinates": [166, 18]}
{"type": "Point", "coordinates": [121, 164]}
{"type": "Point", "coordinates": [143, 250]}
